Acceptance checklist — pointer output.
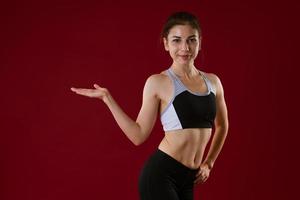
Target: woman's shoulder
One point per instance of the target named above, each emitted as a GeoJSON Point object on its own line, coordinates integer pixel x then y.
{"type": "Point", "coordinates": [212, 77]}
{"type": "Point", "coordinates": [158, 82]}
{"type": "Point", "coordinates": [215, 81]}
{"type": "Point", "coordinates": [158, 77]}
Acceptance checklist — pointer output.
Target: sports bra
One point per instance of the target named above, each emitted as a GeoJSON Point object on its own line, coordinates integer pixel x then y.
{"type": "Point", "coordinates": [188, 109]}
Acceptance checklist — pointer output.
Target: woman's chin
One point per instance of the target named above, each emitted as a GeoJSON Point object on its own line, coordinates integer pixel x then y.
{"type": "Point", "coordinates": [184, 62]}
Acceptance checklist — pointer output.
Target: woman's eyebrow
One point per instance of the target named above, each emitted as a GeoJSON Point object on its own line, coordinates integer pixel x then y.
{"type": "Point", "coordinates": [192, 36]}
{"type": "Point", "coordinates": [174, 36]}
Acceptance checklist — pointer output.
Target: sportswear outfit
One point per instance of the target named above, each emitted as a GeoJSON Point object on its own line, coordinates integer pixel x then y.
{"type": "Point", "coordinates": [163, 177]}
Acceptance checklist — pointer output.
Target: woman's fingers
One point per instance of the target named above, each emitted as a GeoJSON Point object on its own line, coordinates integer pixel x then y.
{"type": "Point", "coordinates": [97, 86]}
{"type": "Point", "coordinates": [98, 92]}
{"type": "Point", "coordinates": [202, 175]}
{"type": "Point", "coordinates": [81, 91]}
{"type": "Point", "coordinates": [200, 179]}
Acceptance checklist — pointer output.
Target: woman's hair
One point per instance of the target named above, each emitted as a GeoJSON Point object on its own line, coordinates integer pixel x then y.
{"type": "Point", "coordinates": [180, 18]}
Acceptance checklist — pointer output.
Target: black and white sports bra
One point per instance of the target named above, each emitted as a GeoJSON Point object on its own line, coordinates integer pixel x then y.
{"type": "Point", "coordinates": [189, 109]}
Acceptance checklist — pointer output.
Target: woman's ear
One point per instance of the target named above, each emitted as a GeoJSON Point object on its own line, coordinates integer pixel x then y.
{"type": "Point", "coordinates": [200, 42]}
{"type": "Point", "coordinates": [166, 44]}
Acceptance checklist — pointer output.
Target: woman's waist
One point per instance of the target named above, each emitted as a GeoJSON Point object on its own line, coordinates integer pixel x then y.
{"type": "Point", "coordinates": [194, 138]}
{"type": "Point", "coordinates": [186, 148]}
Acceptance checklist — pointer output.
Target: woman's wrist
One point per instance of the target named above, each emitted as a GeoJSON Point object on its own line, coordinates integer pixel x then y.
{"type": "Point", "coordinates": [107, 98]}
{"type": "Point", "coordinates": [209, 164]}
{"type": "Point", "coordinates": [108, 101]}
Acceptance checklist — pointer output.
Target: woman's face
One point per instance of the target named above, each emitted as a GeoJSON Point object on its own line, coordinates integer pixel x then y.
{"type": "Point", "coordinates": [183, 44]}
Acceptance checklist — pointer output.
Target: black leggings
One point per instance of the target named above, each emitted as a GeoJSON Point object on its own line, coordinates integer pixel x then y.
{"type": "Point", "coordinates": [164, 178]}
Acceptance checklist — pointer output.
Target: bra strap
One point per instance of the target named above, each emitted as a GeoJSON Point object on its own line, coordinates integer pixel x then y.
{"type": "Point", "coordinates": [208, 83]}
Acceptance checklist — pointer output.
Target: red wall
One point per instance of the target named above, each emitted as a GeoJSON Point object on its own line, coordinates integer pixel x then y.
{"type": "Point", "coordinates": [55, 145]}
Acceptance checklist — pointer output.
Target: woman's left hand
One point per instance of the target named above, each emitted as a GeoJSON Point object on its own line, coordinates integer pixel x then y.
{"type": "Point", "coordinates": [202, 174]}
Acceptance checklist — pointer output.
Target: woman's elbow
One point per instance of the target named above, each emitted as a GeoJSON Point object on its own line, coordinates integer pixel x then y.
{"type": "Point", "coordinates": [141, 135]}
{"type": "Point", "coordinates": [222, 127]}
{"type": "Point", "coordinates": [137, 141]}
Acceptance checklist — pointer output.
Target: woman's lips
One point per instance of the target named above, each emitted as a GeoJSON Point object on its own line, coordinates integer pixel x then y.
{"type": "Point", "coordinates": [184, 57]}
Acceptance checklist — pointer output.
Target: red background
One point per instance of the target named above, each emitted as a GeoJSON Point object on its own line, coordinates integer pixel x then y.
{"type": "Point", "coordinates": [58, 145]}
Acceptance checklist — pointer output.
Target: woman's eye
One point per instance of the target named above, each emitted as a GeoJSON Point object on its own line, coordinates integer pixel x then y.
{"type": "Point", "coordinates": [176, 40]}
{"type": "Point", "coordinates": [193, 40]}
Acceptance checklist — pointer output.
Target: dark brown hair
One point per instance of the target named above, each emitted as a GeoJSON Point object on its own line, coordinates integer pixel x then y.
{"type": "Point", "coordinates": [180, 18]}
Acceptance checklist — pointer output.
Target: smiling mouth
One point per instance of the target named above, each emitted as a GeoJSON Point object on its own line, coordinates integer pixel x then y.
{"type": "Point", "coordinates": [184, 56]}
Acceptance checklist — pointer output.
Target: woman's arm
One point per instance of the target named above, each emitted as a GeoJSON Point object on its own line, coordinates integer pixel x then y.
{"type": "Point", "coordinates": [139, 130]}
{"type": "Point", "coordinates": [221, 125]}
{"type": "Point", "coordinates": [221, 129]}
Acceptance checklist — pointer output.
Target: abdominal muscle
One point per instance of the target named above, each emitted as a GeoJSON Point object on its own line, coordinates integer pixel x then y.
{"type": "Point", "coordinates": [186, 145]}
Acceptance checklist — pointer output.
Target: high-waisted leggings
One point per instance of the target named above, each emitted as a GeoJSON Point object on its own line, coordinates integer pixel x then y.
{"type": "Point", "coordinates": [164, 178]}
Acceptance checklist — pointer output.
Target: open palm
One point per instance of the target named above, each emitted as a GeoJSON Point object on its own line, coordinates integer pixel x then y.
{"type": "Point", "coordinates": [98, 92]}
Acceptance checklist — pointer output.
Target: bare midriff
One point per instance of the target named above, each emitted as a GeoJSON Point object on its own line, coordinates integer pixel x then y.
{"type": "Point", "coordinates": [186, 145]}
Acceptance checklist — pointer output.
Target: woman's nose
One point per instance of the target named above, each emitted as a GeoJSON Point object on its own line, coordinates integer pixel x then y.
{"type": "Point", "coordinates": [185, 46]}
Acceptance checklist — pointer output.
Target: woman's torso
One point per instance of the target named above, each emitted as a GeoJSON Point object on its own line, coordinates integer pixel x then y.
{"type": "Point", "coordinates": [185, 145]}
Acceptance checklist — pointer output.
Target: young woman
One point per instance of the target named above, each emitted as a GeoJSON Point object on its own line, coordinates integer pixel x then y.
{"type": "Point", "coordinates": [190, 103]}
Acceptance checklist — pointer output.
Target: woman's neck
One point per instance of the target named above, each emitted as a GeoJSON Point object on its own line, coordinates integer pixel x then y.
{"type": "Point", "coordinates": [184, 70]}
